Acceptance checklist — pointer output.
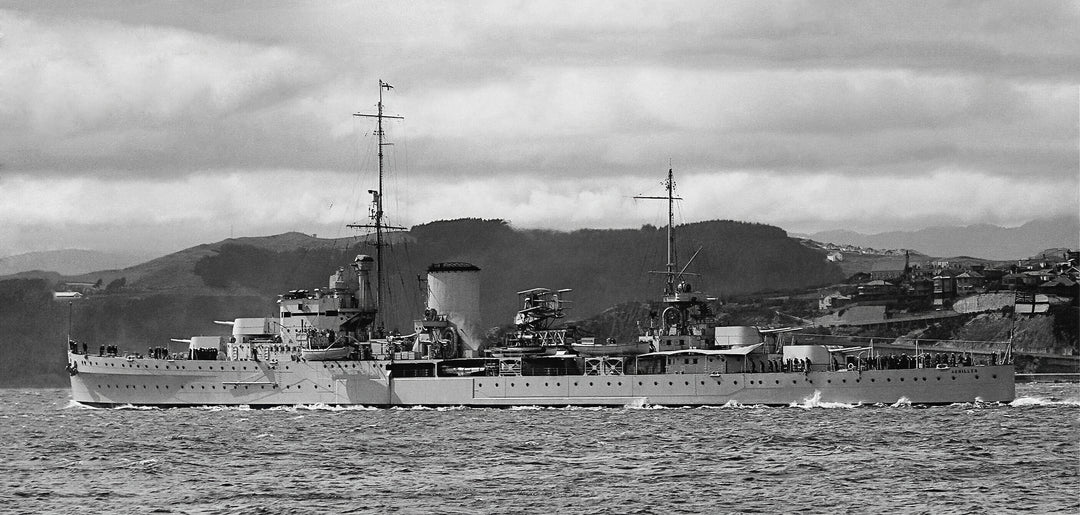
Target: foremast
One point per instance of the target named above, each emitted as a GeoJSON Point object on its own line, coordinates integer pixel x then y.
{"type": "Point", "coordinates": [376, 213]}
{"type": "Point", "coordinates": [678, 294]}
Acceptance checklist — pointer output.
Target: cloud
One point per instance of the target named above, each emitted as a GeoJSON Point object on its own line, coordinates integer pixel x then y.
{"type": "Point", "coordinates": [93, 95]}
{"type": "Point", "coordinates": [809, 115]}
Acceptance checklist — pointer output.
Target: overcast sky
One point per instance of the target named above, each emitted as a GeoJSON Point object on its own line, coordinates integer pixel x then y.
{"type": "Point", "coordinates": [155, 126]}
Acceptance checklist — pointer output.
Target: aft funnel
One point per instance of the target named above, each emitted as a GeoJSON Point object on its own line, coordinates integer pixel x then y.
{"type": "Point", "coordinates": [454, 291]}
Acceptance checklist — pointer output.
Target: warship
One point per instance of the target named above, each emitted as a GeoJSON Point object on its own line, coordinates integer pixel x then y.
{"type": "Point", "coordinates": [327, 346]}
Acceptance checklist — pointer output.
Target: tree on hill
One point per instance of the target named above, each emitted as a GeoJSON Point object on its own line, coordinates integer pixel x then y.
{"type": "Point", "coordinates": [116, 285]}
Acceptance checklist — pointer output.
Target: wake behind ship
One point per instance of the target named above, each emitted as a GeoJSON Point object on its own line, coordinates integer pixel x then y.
{"type": "Point", "coordinates": [327, 346]}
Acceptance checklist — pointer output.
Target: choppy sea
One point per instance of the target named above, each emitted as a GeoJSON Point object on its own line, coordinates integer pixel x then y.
{"type": "Point", "coordinates": [61, 457]}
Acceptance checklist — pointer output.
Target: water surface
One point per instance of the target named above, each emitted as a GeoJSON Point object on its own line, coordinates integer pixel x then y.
{"type": "Point", "coordinates": [62, 457]}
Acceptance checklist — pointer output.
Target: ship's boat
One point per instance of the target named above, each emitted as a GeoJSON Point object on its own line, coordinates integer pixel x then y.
{"type": "Point", "coordinates": [328, 354]}
{"type": "Point", "coordinates": [328, 346]}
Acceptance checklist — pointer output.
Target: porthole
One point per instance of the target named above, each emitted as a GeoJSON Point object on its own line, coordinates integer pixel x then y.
{"type": "Point", "coordinates": [777, 381]}
{"type": "Point", "coordinates": [829, 381]}
{"type": "Point", "coordinates": [590, 383]}
{"type": "Point", "coordinates": [479, 385]}
{"type": "Point", "coordinates": [872, 380]}
{"type": "Point", "coordinates": [976, 376]}
{"type": "Point", "coordinates": [687, 383]}
{"type": "Point", "coordinates": [954, 378]}
{"type": "Point", "coordinates": [609, 383]}
{"type": "Point", "coordinates": [736, 382]}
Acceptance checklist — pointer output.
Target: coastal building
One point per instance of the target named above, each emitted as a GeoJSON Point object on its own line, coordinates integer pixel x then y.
{"type": "Point", "coordinates": [944, 289]}
{"type": "Point", "coordinates": [968, 281]}
{"type": "Point", "coordinates": [888, 270]}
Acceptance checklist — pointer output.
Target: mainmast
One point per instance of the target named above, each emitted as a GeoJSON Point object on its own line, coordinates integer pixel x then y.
{"type": "Point", "coordinates": [672, 262]}
{"type": "Point", "coordinates": [377, 210]}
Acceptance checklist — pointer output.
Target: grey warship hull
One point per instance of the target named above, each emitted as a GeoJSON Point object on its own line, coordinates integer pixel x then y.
{"type": "Point", "coordinates": [117, 381]}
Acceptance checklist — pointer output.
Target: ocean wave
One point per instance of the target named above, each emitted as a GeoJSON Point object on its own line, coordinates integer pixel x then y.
{"type": "Point", "coordinates": [71, 404]}
{"type": "Point", "coordinates": [333, 407]}
{"type": "Point", "coordinates": [815, 401]}
{"type": "Point", "coordinates": [134, 407]}
{"type": "Point", "coordinates": [1043, 401]}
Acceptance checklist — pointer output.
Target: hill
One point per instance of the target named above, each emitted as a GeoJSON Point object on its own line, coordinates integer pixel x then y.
{"type": "Point", "coordinates": [68, 261]}
{"type": "Point", "coordinates": [180, 295]}
{"type": "Point", "coordinates": [983, 240]}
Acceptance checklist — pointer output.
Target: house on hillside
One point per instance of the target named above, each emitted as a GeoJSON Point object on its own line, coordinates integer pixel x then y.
{"type": "Point", "coordinates": [1013, 281]}
{"type": "Point", "coordinates": [1072, 273]}
{"type": "Point", "coordinates": [944, 289]}
{"type": "Point", "coordinates": [831, 300]}
{"type": "Point", "coordinates": [968, 281]}
{"type": "Point", "coordinates": [888, 270]}
{"type": "Point", "coordinates": [1037, 277]}
{"type": "Point", "coordinates": [1060, 285]}
{"type": "Point", "coordinates": [83, 288]}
